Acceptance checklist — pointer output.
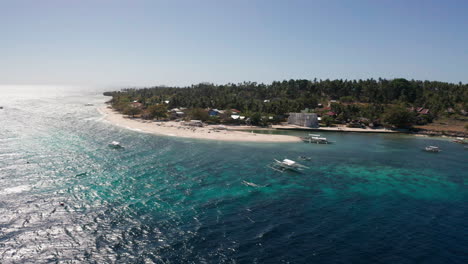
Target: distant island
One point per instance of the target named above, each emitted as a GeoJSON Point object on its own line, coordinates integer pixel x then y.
{"type": "Point", "coordinates": [427, 107]}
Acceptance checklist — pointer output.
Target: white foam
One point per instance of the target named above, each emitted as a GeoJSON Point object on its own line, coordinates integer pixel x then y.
{"type": "Point", "coordinates": [16, 189]}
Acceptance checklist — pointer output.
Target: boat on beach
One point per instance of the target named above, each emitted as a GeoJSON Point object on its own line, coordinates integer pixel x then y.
{"type": "Point", "coordinates": [432, 149]}
{"type": "Point", "coordinates": [314, 138]}
{"type": "Point", "coordinates": [115, 145]}
{"type": "Point", "coordinates": [287, 164]}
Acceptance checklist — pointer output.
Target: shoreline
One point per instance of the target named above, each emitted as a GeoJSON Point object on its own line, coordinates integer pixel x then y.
{"type": "Point", "coordinates": [420, 133]}
{"type": "Point", "coordinates": [236, 133]}
{"type": "Point", "coordinates": [176, 129]}
{"type": "Point", "coordinates": [335, 129]}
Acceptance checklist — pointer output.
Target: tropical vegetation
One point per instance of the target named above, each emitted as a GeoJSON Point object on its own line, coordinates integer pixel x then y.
{"type": "Point", "coordinates": [392, 102]}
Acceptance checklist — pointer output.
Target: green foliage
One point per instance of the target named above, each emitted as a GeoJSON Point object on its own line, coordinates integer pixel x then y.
{"type": "Point", "coordinates": [133, 111]}
{"type": "Point", "coordinates": [256, 119]}
{"type": "Point", "coordinates": [157, 111]}
{"type": "Point", "coordinates": [199, 114]}
{"type": "Point", "coordinates": [368, 98]}
{"type": "Point", "coordinates": [347, 99]}
{"type": "Point", "coordinates": [120, 103]}
{"type": "Point", "coordinates": [328, 120]}
{"type": "Point", "coordinates": [424, 119]}
{"type": "Point", "coordinates": [213, 120]}
{"type": "Point", "coordinates": [399, 117]}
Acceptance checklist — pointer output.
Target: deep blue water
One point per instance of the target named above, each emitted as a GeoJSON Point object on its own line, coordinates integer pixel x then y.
{"type": "Point", "coordinates": [365, 199]}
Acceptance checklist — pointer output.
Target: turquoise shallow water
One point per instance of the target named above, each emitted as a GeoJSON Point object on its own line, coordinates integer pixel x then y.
{"type": "Point", "coordinates": [364, 199]}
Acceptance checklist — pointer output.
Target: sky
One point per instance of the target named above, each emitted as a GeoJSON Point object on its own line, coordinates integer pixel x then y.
{"type": "Point", "coordinates": [144, 43]}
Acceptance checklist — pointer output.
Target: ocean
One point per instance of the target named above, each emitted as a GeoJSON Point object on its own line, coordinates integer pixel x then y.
{"type": "Point", "coordinates": [66, 197]}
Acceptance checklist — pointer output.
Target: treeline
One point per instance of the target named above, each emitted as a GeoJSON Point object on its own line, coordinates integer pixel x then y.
{"type": "Point", "coordinates": [365, 98]}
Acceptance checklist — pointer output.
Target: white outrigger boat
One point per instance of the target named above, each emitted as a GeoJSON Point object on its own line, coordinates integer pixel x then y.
{"type": "Point", "coordinates": [317, 139]}
{"type": "Point", "coordinates": [460, 140]}
{"type": "Point", "coordinates": [305, 158]}
{"type": "Point", "coordinates": [287, 164]}
{"type": "Point", "coordinates": [432, 149]}
{"type": "Point", "coordinates": [115, 144]}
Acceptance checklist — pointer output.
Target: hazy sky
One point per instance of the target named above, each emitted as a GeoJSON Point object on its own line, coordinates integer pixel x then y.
{"type": "Point", "coordinates": [132, 42]}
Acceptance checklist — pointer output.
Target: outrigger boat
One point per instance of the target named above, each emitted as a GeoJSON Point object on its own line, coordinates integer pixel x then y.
{"type": "Point", "coordinates": [460, 140]}
{"type": "Point", "coordinates": [287, 164]}
{"type": "Point", "coordinates": [115, 144]}
{"type": "Point", "coordinates": [305, 158]}
{"type": "Point", "coordinates": [432, 149]}
{"type": "Point", "coordinates": [317, 139]}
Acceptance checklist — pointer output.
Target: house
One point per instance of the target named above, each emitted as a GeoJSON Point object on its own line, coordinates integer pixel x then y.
{"type": "Point", "coordinates": [303, 119]}
{"type": "Point", "coordinates": [235, 111]}
{"type": "Point", "coordinates": [424, 111]}
{"type": "Point", "coordinates": [332, 102]}
{"type": "Point", "coordinates": [237, 117]}
{"type": "Point", "coordinates": [213, 112]}
{"type": "Point", "coordinates": [330, 113]}
{"type": "Point", "coordinates": [175, 113]}
{"type": "Point", "coordinates": [363, 121]}
{"type": "Point", "coordinates": [266, 101]}
{"type": "Point", "coordinates": [136, 104]}
{"type": "Point", "coordinates": [420, 110]}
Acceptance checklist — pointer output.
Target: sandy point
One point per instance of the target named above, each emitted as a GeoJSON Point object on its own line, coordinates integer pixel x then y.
{"type": "Point", "coordinates": [177, 129]}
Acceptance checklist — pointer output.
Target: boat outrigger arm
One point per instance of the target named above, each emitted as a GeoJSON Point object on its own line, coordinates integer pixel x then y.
{"type": "Point", "coordinates": [287, 164]}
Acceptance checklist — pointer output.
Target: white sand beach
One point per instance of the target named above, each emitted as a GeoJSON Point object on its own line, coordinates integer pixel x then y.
{"type": "Point", "coordinates": [177, 129]}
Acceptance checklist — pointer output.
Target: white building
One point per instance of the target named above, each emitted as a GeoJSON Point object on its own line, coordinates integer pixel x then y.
{"type": "Point", "coordinates": [303, 119]}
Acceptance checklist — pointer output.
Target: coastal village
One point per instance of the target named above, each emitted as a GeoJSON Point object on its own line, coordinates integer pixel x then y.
{"type": "Point", "coordinates": [396, 105]}
{"type": "Point", "coordinates": [320, 118]}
